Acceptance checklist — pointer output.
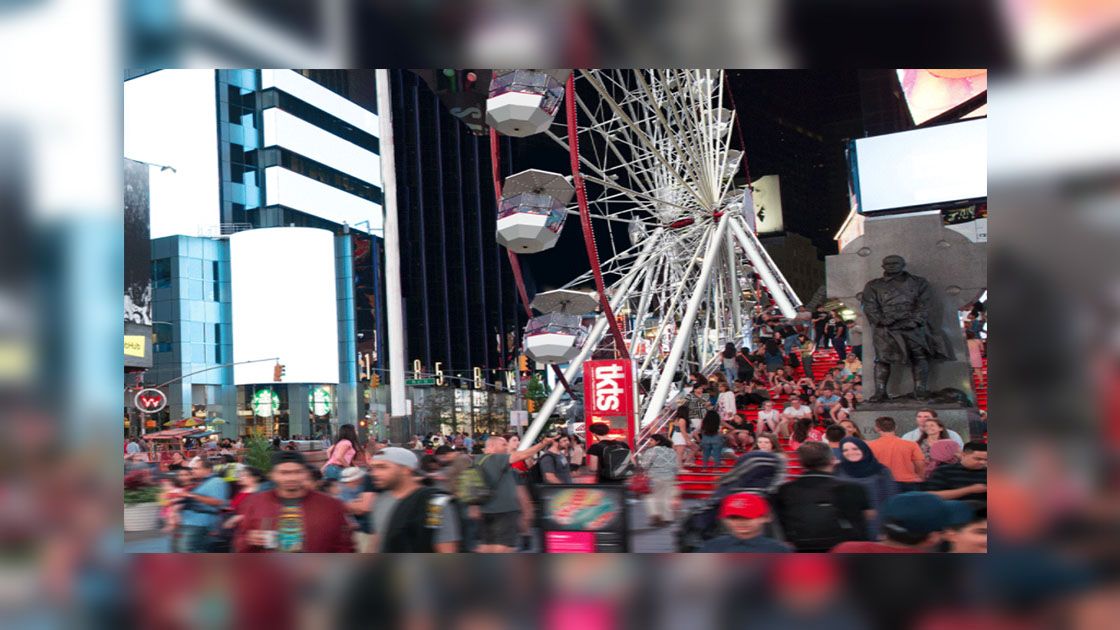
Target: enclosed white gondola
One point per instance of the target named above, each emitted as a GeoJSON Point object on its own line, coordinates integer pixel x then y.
{"type": "Point", "coordinates": [524, 102]}
{"type": "Point", "coordinates": [533, 210]}
{"type": "Point", "coordinates": [554, 337]}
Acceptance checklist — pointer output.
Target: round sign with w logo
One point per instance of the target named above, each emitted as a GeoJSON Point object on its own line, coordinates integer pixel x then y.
{"type": "Point", "coordinates": [150, 400]}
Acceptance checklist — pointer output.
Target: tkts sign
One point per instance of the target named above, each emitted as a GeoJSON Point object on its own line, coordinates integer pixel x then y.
{"type": "Point", "coordinates": [608, 388]}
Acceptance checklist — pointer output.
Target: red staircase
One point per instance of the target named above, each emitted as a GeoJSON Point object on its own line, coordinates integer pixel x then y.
{"type": "Point", "coordinates": [980, 386]}
{"type": "Point", "coordinates": [697, 482]}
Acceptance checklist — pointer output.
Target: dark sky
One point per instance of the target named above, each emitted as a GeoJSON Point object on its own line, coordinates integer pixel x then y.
{"type": "Point", "coordinates": [796, 124]}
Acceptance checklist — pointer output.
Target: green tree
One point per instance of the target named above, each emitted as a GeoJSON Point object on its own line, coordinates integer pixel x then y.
{"type": "Point", "coordinates": [258, 453]}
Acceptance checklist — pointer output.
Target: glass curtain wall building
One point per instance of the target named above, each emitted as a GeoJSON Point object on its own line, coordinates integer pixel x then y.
{"type": "Point", "coordinates": [242, 150]}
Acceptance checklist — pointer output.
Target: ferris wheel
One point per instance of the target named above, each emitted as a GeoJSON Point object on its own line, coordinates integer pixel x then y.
{"type": "Point", "coordinates": [652, 165]}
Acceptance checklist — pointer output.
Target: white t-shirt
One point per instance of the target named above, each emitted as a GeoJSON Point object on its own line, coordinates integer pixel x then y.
{"type": "Point", "coordinates": [803, 412]}
{"type": "Point", "coordinates": [725, 404]}
{"type": "Point", "coordinates": [768, 419]}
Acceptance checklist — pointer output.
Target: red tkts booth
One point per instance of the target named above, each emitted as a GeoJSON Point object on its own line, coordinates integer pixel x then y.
{"type": "Point", "coordinates": [610, 397]}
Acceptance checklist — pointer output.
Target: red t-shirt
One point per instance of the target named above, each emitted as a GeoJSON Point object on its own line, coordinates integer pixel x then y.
{"type": "Point", "coordinates": [860, 546]}
{"type": "Point", "coordinates": [315, 524]}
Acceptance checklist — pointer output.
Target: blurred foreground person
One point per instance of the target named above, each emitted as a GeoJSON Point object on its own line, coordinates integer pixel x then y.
{"type": "Point", "coordinates": [292, 516]}
{"type": "Point", "coordinates": [409, 517]}
{"type": "Point", "coordinates": [744, 516]}
{"type": "Point", "coordinates": [912, 522]}
{"type": "Point", "coordinates": [969, 533]}
{"type": "Point", "coordinates": [818, 511]}
{"type": "Point", "coordinates": [200, 508]}
{"type": "Point", "coordinates": [660, 463]}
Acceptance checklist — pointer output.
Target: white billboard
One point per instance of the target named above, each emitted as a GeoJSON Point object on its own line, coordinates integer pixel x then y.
{"type": "Point", "coordinates": [767, 199]}
{"type": "Point", "coordinates": [923, 167]}
{"type": "Point", "coordinates": [282, 286]}
{"type": "Point", "coordinates": [171, 121]}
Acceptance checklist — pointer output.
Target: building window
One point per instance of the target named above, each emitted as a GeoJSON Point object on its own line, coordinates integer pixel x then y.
{"type": "Point", "coordinates": [161, 273]}
{"type": "Point", "coordinates": [276, 156]}
{"type": "Point", "coordinates": [216, 286]}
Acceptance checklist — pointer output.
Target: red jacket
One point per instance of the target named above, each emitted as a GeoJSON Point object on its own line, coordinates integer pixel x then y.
{"type": "Point", "coordinates": [325, 528]}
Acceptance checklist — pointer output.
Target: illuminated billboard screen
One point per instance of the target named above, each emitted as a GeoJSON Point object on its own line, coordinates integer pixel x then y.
{"type": "Point", "coordinates": [170, 121]}
{"type": "Point", "coordinates": [922, 167]}
{"type": "Point", "coordinates": [282, 287]}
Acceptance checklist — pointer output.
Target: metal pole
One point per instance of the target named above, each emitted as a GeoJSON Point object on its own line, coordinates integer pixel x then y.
{"type": "Point", "coordinates": [394, 310]}
{"type": "Point", "coordinates": [593, 339]}
{"type": "Point", "coordinates": [765, 267]}
{"type": "Point", "coordinates": [669, 368]}
{"type": "Point", "coordinates": [736, 292]}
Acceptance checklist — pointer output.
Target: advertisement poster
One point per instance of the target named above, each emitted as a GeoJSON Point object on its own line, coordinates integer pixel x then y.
{"type": "Point", "coordinates": [583, 518]}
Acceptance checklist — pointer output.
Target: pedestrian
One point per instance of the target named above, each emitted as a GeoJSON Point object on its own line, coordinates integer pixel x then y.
{"type": "Point", "coordinates": [200, 508]}
{"type": "Point", "coordinates": [605, 455]}
{"type": "Point", "coordinates": [680, 434]}
{"type": "Point", "coordinates": [975, 355]}
{"type": "Point", "coordinates": [250, 480]}
{"type": "Point", "coordinates": [817, 510]}
{"type": "Point", "coordinates": [744, 367]}
{"type": "Point", "coordinates": [832, 435]}
{"type": "Point", "coordinates": [554, 464]}
{"type": "Point", "coordinates": [660, 463]}
{"type": "Point", "coordinates": [855, 340]}
{"type": "Point", "coordinates": [969, 532]}
{"type": "Point", "coordinates": [903, 457]}
{"type": "Point", "coordinates": [858, 464]}
{"type": "Point", "coordinates": [744, 516]}
{"type": "Point", "coordinates": [341, 454]}
{"type": "Point", "coordinates": [407, 516]}
{"type": "Point", "coordinates": [840, 337]}
{"type": "Point", "coordinates": [292, 516]}
{"type": "Point", "coordinates": [133, 446]}
{"type": "Point", "coordinates": [924, 415]}
{"type": "Point", "coordinates": [806, 348]}
{"type": "Point", "coordinates": [730, 366]}
{"type": "Point", "coordinates": [966, 480]}
{"type": "Point", "coordinates": [941, 453]}
{"type": "Point", "coordinates": [500, 515]}
{"type": "Point", "coordinates": [711, 442]}
{"type": "Point", "coordinates": [913, 522]}
{"type": "Point", "coordinates": [820, 322]}
{"type": "Point", "coordinates": [768, 417]}
{"type": "Point", "coordinates": [932, 430]}
{"type": "Point", "coordinates": [358, 494]}
{"type": "Point", "coordinates": [178, 462]}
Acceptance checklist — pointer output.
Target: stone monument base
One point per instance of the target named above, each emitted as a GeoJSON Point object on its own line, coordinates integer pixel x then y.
{"type": "Point", "coordinates": [955, 418]}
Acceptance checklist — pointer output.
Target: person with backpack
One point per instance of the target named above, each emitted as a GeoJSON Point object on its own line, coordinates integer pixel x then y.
{"type": "Point", "coordinates": [608, 459]}
{"type": "Point", "coordinates": [409, 517]}
{"type": "Point", "coordinates": [816, 510]}
{"type": "Point", "coordinates": [489, 487]}
{"type": "Point", "coordinates": [553, 466]}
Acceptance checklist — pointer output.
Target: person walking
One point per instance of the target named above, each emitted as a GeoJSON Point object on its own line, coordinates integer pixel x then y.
{"type": "Point", "coordinates": [730, 366]}
{"type": "Point", "coordinates": [200, 508]}
{"type": "Point", "coordinates": [711, 442]}
{"type": "Point", "coordinates": [292, 516]}
{"type": "Point", "coordinates": [817, 510]}
{"type": "Point", "coordinates": [408, 516]}
{"type": "Point", "coordinates": [660, 463]}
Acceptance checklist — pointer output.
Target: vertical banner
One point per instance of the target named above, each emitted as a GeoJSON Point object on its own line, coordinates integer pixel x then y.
{"type": "Point", "coordinates": [610, 397]}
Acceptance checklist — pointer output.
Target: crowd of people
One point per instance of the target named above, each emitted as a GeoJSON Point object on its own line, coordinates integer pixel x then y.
{"type": "Point", "coordinates": [924, 490]}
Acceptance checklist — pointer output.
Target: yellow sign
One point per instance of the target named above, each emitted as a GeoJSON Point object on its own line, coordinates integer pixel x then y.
{"type": "Point", "coordinates": [134, 345]}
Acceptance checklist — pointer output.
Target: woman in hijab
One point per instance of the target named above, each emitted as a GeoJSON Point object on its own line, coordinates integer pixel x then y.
{"type": "Point", "coordinates": [942, 452]}
{"type": "Point", "coordinates": [858, 464]}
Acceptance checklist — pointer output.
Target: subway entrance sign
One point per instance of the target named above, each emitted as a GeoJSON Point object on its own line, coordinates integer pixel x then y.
{"type": "Point", "coordinates": [421, 382]}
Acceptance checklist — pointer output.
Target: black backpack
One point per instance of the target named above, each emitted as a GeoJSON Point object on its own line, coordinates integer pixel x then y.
{"type": "Point", "coordinates": [615, 461]}
{"type": "Point", "coordinates": [814, 521]}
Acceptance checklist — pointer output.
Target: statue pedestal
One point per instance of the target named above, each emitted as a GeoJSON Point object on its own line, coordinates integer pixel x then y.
{"type": "Point", "coordinates": [963, 420]}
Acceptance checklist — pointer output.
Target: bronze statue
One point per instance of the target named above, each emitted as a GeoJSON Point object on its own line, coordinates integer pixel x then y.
{"type": "Point", "coordinates": [897, 306]}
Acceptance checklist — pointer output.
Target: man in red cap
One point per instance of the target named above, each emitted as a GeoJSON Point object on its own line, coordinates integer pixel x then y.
{"type": "Point", "coordinates": [744, 516]}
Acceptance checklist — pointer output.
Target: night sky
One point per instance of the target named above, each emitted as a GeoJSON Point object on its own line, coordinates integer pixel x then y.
{"type": "Point", "coordinates": [796, 124]}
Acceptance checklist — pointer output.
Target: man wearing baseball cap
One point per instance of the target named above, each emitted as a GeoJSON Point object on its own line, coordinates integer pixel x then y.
{"type": "Point", "coordinates": [912, 522]}
{"type": "Point", "coordinates": [744, 515]}
{"type": "Point", "coordinates": [409, 517]}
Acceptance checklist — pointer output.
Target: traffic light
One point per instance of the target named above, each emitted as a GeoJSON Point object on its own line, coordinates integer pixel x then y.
{"type": "Point", "coordinates": [277, 372]}
{"type": "Point", "coordinates": [375, 381]}
{"type": "Point", "coordinates": [532, 406]}
{"type": "Point", "coordinates": [523, 363]}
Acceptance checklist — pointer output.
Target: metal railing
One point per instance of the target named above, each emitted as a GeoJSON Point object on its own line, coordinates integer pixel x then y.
{"type": "Point", "coordinates": [223, 230]}
{"type": "Point", "coordinates": [642, 441]}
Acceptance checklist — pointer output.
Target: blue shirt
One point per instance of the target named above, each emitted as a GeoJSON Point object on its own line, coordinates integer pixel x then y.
{"type": "Point", "coordinates": [730, 544]}
{"type": "Point", "coordinates": [195, 514]}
